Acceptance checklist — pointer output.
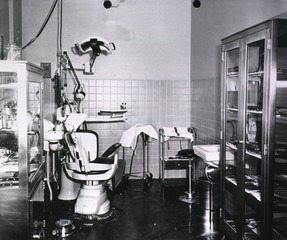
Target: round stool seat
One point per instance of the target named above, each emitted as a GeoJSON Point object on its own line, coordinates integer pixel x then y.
{"type": "Point", "coordinates": [212, 174]}
{"type": "Point", "coordinates": [188, 153]}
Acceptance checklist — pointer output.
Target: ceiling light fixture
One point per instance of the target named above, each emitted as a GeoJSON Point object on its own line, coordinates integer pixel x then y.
{"type": "Point", "coordinates": [196, 3]}
{"type": "Point", "coordinates": [111, 3]}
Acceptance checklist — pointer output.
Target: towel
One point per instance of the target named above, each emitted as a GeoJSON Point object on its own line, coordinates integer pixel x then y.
{"type": "Point", "coordinates": [181, 132]}
{"type": "Point", "coordinates": [75, 120]}
{"type": "Point", "coordinates": [129, 137]}
{"type": "Point", "coordinates": [48, 126]}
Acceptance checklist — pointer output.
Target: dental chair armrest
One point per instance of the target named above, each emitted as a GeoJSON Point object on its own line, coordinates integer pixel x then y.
{"type": "Point", "coordinates": [97, 175]}
{"type": "Point", "coordinates": [104, 160]}
{"type": "Point", "coordinates": [98, 171]}
{"type": "Point", "coordinates": [112, 150]}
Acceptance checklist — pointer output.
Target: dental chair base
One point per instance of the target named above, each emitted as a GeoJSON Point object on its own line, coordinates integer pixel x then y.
{"type": "Point", "coordinates": [69, 189]}
{"type": "Point", "coordinates": [92, 200]}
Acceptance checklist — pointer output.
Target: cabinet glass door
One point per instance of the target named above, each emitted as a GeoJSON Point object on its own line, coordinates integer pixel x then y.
{"type": "Point", "coordinates": [254, 139]}
{"type": "Point", "coordinates": [20, 144]}
{"type": "Point", "coordinates": [9, 160]}
{"type": "Point", "coordinates": [34, 127]}
{"type": "Point", "coordinates": [280, 158]}
{"type": "Point", "coordinates": [231, 102]}
{"type": "Point", "coordinates": [243, 141]}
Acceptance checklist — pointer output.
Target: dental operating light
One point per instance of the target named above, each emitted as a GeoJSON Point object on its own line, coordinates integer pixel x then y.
{"type": "Point", "coordinates": [107, 4]}
{"type": "Point", "coordinates": [97, 46]}
{"type": "Point", "coordinates": [196, 4]}
{"type": "Point", "coordinates": [111, 3]}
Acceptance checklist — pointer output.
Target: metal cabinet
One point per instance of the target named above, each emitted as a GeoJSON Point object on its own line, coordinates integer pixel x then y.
{"type": "Point", "coordinates": [254, 66]}
{"type": "Point", "coordinates": [21, 145]}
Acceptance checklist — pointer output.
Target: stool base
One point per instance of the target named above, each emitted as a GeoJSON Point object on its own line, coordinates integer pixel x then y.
{"type": "Point", "coordinates": [188, 197]}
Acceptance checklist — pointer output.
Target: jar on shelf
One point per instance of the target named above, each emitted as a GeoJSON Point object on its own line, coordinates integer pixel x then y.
{"type": "Point", "coordinates": [13, 52]}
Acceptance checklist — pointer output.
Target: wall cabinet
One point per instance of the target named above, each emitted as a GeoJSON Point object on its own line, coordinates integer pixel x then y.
{"type": "Point", "coordinates": [21, 145]}
{"type": "Point", "coordinates": [254, 131]}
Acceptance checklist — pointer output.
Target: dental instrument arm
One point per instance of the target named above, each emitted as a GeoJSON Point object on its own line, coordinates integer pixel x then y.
{"type": "Point", "coordinates": [78, 84]}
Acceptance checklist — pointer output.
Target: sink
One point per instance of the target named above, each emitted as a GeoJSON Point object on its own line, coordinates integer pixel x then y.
{"type": "Point", "coordinates": [210, 148]}
{"type": "Point", "coordinates": [207, 152]}
{"type": "Point", "coordinates": [211, 153]}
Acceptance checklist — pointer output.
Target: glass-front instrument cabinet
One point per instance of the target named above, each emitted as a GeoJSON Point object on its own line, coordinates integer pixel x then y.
{"type": "Point", "coordinates": [254, 132]}
{"type": "Point", "coordinates": [21, 161]}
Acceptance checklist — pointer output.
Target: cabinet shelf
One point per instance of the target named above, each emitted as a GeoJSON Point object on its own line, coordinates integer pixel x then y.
{"type": "Point", "coordinates": [255, 112]}
{"type": "Point", "coordinates": [252, 229]}
{"type": "Point", "coordinates": [231, 145]}
{"type": "Point", "coordinates": [231, 180]}
{"type": "Point", "coordinates": [232, 109]}
{"type": "Point", "coordinates": [233, 75]}
{"type": "Point", "coordinates": [9, 86]}
{"type": "Point", "coordinates": [252, 194]}
{"type": "Point", "coordinates": [279, 226]}
{"type": "Point", "coordinates": [257, 74]}
{"type": "Point", "coordinates": [281, 119]}
{"type": "Point", "coordinates": [254, 154]}
{"type": "Point", "coordinates": [230, 228]}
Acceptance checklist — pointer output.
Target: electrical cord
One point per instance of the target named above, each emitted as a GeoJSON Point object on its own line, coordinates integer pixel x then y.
{"type": "Point", "coordinates": [43, 25]}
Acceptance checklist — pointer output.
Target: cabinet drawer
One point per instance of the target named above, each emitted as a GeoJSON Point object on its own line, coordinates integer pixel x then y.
{"type": "Point", "coordinates": [180, 164]}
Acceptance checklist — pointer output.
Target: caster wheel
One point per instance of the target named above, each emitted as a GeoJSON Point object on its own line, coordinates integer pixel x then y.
{"type": "Point", "coordinates": [147, 181]}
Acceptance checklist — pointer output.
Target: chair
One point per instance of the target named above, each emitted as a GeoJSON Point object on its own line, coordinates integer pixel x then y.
{"type": "Point", "coordinates": [91, 170]}
{"type": "Point", "coordinates": [212, 173]}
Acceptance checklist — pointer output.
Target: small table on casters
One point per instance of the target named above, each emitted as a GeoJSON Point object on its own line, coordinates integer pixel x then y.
{"type": "Point", "coordinates": [130, 140]}
{"type": "Point", "coordinates": [185, 158]}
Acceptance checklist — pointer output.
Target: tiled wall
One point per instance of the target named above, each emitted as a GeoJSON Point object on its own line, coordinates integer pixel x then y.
{"type": "Point", "coordinates": [160, 103]}
{"type": "Point", "coordinates": [205, 114]}
{"type": "Point", "coordinates": [205, 110]}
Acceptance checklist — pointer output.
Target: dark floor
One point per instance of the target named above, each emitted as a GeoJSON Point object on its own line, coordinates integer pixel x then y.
{"type": "Point", "coordinates": [154, 214]}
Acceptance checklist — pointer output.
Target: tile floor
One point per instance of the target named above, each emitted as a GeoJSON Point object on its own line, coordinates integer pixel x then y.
{"type": "Point", "coordinates": [154, 214]}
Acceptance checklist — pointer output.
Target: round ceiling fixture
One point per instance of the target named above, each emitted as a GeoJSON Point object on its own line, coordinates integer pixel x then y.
{"type": "Point", "coordinates": [196, 3]}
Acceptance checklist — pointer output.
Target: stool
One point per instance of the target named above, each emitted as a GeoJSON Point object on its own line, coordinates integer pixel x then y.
{"type": "Point", "coordinates": [190, 195]}
{"type": "Point", "coordinates": [212, 174]}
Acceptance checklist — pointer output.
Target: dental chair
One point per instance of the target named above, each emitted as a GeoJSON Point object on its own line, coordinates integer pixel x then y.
{"type": "Point", "coordinates": [92, 171]}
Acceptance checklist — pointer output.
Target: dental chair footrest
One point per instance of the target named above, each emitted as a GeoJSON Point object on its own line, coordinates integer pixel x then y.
{"type": "Point", "coordinates": [112, 215]}
{"type": "Point", "coordinates": [92, 200]}
{"type": "Point", "coordinates": [90, 218]}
